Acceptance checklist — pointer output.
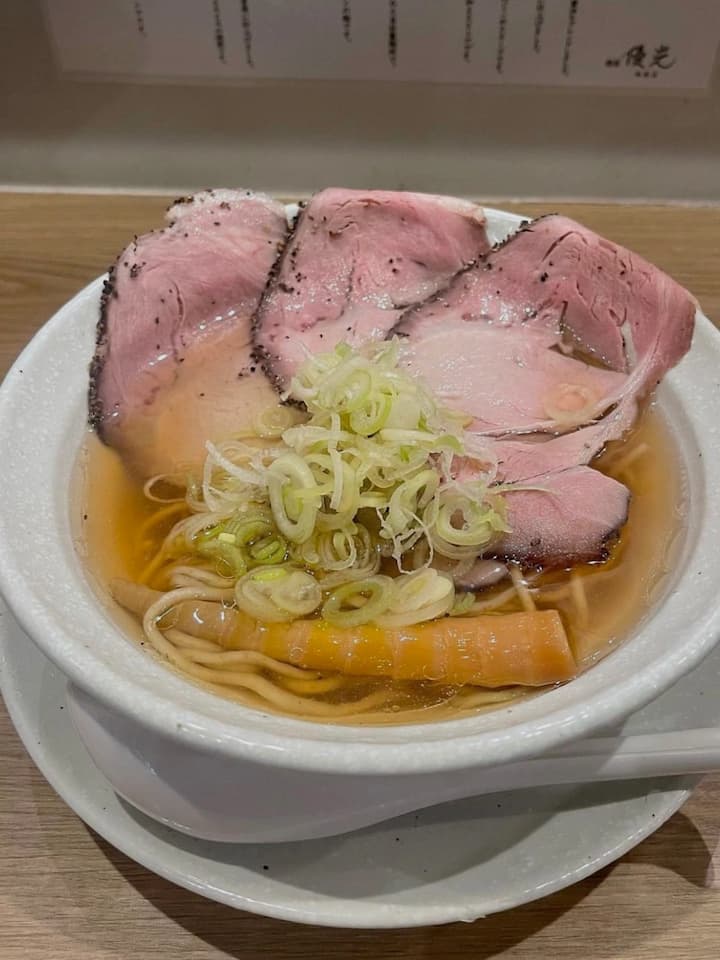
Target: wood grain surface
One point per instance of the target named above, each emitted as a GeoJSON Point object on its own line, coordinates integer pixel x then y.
{"type": "Point", "coordinates": [65, 894]}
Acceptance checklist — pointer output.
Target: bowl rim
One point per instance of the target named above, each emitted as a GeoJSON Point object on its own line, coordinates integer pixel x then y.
{"type": "Point", "coordinates": [129, 835]}
{"type": "Point", "coordinates": [302, 750]}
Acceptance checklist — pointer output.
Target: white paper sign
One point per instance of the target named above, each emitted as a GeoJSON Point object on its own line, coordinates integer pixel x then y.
{"type": "Point", "coordinates": [654, 44]}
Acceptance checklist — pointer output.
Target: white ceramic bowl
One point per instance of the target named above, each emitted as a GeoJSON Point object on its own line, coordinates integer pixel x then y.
{"type": "Point", "coordinates": [223, 771]}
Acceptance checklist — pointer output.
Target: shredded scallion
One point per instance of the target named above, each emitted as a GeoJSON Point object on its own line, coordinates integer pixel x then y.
{"type": "Point", "coordinates": [325, 510]}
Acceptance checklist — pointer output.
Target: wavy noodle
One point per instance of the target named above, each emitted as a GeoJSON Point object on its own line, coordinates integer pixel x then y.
{"type": "Point", "coordinates": [254, 678]}
{"type": "Point", "coordinates": [579, 597]}
{"type": "Point", "coordinates": [495, 604]}
{"type": "Point", "coordinates": [151, 569]}
{"type": "Point", "coordinates": [328, 684]}
{"type": "Point", "coordinates": [521, 588]}
{"type": "Point", "coordinates": [186, 641]}
{"type": "Point", "coordinates": [188, 575]}
{"type": "Point", "coordinates": [471, 698]}
{"type": "Point", "coordinates": [252, 659]}
{"type": "Point", "coordinates": [173, 480]}
{"type": "Point", "coordinates": [159, 517]}
{"type": "Point", "coordinates": [274, 682]}
{"type": "Point", "coordinates": [262, 682]}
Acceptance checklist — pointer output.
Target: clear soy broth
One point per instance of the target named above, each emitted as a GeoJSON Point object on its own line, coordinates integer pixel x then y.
{"type": "Point", "coordinates": [119, 531]}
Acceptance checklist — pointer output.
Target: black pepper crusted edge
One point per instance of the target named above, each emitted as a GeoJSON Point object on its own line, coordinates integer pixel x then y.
{"type": "Point", "coordinates": [397, 330]}
{"type": "Point", "coordinates": [603, 549]}
{"type": "Point", "coordinates": [95, 407]}
{"type": "Point", "coordinates": [259, 352]}
{"type": "Point", "coordinates": [541, 561]}
{"type": "Point", "coordinates": [96, 418]}
{"type": "Point", "coordinates": [97, 364]}
{"type": "Point", "coordinates": [599, 555]}
{"type": "Point", "coordinates": [206, 191]}
{"type": "Point", "coordinates": [612, 535]}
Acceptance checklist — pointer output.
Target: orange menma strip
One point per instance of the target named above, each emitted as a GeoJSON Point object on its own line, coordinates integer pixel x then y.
{"type": "Point", "coordinates": [529, 648]}
{"type": "Point", "coordinates": [496, 650]}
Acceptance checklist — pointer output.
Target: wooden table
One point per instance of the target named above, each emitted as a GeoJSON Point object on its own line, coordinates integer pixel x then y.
{"type": "Point", "coordinates": [65, 893]}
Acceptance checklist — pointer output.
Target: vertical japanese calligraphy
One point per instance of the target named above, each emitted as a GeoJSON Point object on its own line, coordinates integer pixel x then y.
{"type": "Point", "coordinates": [502, 30]}
{"type": "Point", "coordinates": [139, 17]}
{"type": "Point", "coordinates": [569, 36]}
{"type": "Point", "coordinates": [468, 38]}
{"type": "Point", "coordinates": [219, 30]}
{"type": "Point", "coordinates": [247, 32]}
{"type": "Point", "coordinates": [538, 25]}
{"type": "Point", "coordinates": [392, 40]}
{"type": "Point", "coordinates": [635, 44]}
{"type": "Point", "coordinates": [347, 20]}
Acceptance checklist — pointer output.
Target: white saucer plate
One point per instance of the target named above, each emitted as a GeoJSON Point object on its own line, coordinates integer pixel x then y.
{"type": "Point", "coordinates": [459, 861]}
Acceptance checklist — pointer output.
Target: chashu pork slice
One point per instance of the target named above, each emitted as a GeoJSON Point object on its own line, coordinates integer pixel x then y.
{"type": "Point", "coordinates": [552, 287]}
{"type": "Point", "coordinates": [356, 260]}
{"type": "Point", "coordinates": [523, 458]}
{"type": "Point", "coordinates": [571, 517]}
{"type": "Point", "coordinates": [173, 365]}
{"type": "Point", "coordinates": [508, 379]}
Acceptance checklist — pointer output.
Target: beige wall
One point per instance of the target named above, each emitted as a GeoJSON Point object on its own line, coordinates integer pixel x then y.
{"type": "Point", "coordinates": [293, 138]}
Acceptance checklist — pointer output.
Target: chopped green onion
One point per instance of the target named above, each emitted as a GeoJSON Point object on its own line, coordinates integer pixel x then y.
{"type": "Point", "coordinates": [462, 605]}
{"type": "Point", "coordinates": [312, 503]}
{"type": "Point", "coordinates": [362, 601]}
{"type": "Point", "coordinates": [278, 594]}
{"type": "Point", "coordinates": [416, 597]}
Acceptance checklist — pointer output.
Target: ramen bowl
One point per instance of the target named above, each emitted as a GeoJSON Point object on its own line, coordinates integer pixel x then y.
{"type": "Point", "coordinates": [223, 771]}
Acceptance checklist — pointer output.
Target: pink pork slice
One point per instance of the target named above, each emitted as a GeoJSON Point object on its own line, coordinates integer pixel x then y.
{"type": "Point", "coordinates": [507, 378]}
{"type": "Point", "coordinates": [571, 518]}
{"type": "Point", "coordinates": [553, 284]}
{"type": "Point", "coordinates": [173, 365]}
{"type": "Point", "coordinates": [355, 261]}
{"type": "Point", "coordinates": [489, 344]}
{"type": "Point", "coordinates": [524, 458]}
